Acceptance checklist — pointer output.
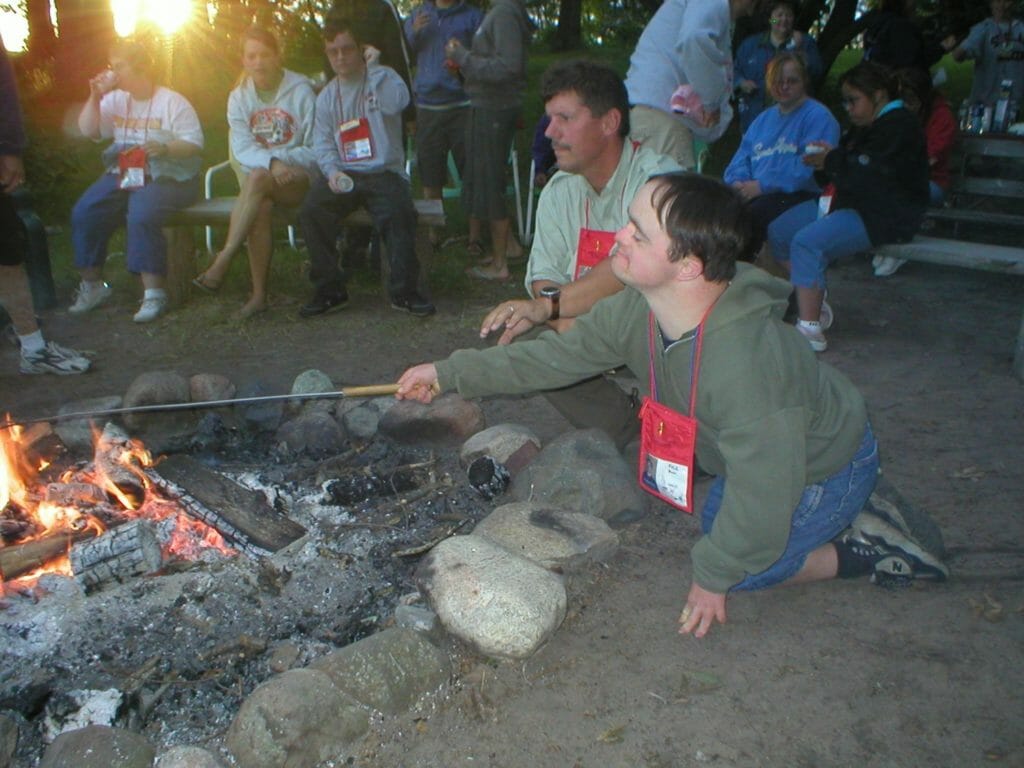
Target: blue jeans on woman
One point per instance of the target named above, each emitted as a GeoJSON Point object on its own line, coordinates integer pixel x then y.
{"type": "Point", "coordinates": [104, 207]}
{"type": "Point", "coordinates": [826, 509]}
{"type": "Point", "coordinates": [810, 244]}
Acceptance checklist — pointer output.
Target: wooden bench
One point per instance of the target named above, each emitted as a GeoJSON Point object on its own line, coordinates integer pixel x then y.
{"type": "Point", "coordinates": [182, 264]}
{"type": "Point", "coordinates": [985, 203]}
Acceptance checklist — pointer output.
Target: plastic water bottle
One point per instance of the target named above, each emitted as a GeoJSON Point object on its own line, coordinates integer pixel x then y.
{"type": "Point", "coordinates": [964, 117]}
{"type": "Point", "coordinates": [1000, 114]}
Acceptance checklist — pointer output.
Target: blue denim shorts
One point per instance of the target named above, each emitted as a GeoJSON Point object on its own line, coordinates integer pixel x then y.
{"type": "Point", "coordinates": [825, 510]}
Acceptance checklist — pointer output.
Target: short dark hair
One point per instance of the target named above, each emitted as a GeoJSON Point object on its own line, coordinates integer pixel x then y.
{"type": "Point", "coordinates": [703, 218]}
{"type": "Point", "coordinates": [336, 24]}
{"type": "Point", "coordinates": [870, 77]}
{"type": "Point", "coordinates": [137, 54]}
{"type": "Point", "coordinates": [600, 88]}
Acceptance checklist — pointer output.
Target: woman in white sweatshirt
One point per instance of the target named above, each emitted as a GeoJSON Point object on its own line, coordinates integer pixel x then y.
{"type": "Point", "coordinates": [270, 116]}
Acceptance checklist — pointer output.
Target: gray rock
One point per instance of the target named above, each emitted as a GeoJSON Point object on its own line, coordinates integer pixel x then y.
{"type": "Point", "coordinates": [299, 718]}
{"type": "Point", "coordinates": [309, 382]}
{"type": "Point", "coordinates": [361, 422]}
{"type": "Point", "coordinates": [552, 538]}
{"type": "Point", "coordinates": [265, 416]}
{"type": "Point", "coordinates": [500, 603]}
{"type": "Point", "coordinates": [210, 386]}
{"type": "Point", "coordinates": [98, 746]}
{"type": "Point", "coordinates": [77, 433]}
{"type": "Point", "coordinates": [167, 431]}
{"type": "Point", "coordinates": [8, 740]}
{"type": "Point", "coordinates": [449, 419]}
{"type": "Point", "coordinates": [188, 757]}
{"type": "Point", "coordinates": [581, 471]}
{"type": "Point", "coordinates": [513, 445]}
{"type": "Point", "coordinates": [387, 671]}
{"type": "Point", "coordinates": [314, 434]}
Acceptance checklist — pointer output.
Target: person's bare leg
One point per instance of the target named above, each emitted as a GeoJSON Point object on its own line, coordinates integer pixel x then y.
{"type": "Point", "coordinates": [821, 564]}
{"type": "Point", "coordinates": [16, 298]}
{"type": "Point", "coordinates": [261, 246]}
{"type": "Point", "coordinates": [475, 243]}
{"type": "Point", "coordinates": [808, 303]}
{"type": "Point", "coordinates": [433, 193]}
{"type": "Point", "coordinates": [258, 185]}
{"type": "Point", "coordinates": [496, 267]}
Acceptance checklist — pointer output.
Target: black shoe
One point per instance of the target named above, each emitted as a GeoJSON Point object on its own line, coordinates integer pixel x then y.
{"type": "Point", "coordinates": [890, 556]}
{"type": "Point", "coordinates": [323, 304]}
{"type": "Point", "coordinates": [414, 304]}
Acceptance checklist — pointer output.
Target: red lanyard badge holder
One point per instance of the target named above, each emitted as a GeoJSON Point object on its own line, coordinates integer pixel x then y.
{"type": "Point", "coordinates": [593, 246]}
{"type": "Point", "coordinates": [131, 163]}
{"type": "Point", "coordinates": [355, 140]}
{"type": "Point", "coordinates": [668, 438]}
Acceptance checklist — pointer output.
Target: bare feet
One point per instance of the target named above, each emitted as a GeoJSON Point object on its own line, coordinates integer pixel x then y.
{"type": "Point", "coordinates": [252, 307]}
{"type": "Point", "coordinates": [483, 272]}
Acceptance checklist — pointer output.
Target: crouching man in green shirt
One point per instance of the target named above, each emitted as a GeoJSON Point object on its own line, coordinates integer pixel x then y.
{"type": "Point", "coordinates": [786, 436]}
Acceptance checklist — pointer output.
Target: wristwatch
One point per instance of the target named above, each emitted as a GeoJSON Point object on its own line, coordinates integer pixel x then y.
{"type": "Point", "coordinates": [554, 294]}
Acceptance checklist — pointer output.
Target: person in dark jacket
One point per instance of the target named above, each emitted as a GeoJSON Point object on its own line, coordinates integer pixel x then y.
{"type": "Point", "coordinates": [894, 39]}
{"type": "Point", "coordinates": [879, 173]}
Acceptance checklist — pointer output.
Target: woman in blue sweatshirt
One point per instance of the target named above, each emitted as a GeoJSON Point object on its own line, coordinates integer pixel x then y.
{"type": "Point", "coordinates": [768, 169]}
{"type": "Point", "coordinates": [879, 172]}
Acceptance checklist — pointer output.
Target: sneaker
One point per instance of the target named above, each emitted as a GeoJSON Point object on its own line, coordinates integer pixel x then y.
{"type": "Point", "coordinates": [414, 304]}
{"type": "Point", "coordinates": [894, 557]}
{"type": "Point", "coordinates": [323, 303]}
{"type": "Point", "coordinates": [151, 309]}
{"type": "Point", "coordinates": [90, 296]}
{"type": "Point", "coordinates": [826, 316]}
{"type": "Point", "coordinates": [812, 332]}
{"type": "Point", "coordinates": [887, 265]}
{"type": "Point", "coordinates": [53, 358]}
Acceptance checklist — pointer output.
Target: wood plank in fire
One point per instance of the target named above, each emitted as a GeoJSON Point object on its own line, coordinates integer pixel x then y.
{"type": "Point", "coordinates": [242, 516]}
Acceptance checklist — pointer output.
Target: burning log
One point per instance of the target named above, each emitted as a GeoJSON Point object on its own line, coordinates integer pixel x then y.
{"type": "Point", "coordinates": [120, 460]}
{"type": "Point", "coordinates": [242, 516]}
{"type": "Point", "coordinates": [75, 494]}
{"type": "Point", "coordinates": [19, 559]}
{"type": "Point", "coordinates": [128, 550]}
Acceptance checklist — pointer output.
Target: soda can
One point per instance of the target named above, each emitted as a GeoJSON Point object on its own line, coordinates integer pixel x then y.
{"type": "Point", "coordinates": [986, 119]}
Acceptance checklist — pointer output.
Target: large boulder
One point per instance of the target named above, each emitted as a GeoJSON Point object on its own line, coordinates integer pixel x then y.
{"type": "Point", "coordinates": [582, 471]}
{"type": "Point", "coordinates": [298, 718]}
{"type": "Point", "coordinates": [449, 419]}
{"type": "Point", "coordinates": [98, 746]}
{"type": "Point", "coordinates": [496, 601]}
{"type": "Point", "coordinates": [162, 431]}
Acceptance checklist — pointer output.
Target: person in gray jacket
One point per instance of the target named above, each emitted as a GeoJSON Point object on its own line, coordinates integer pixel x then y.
{"type": "Point", "coordinates": [786, 436]}
{"type": "Point", "coordinates": [494, 71]}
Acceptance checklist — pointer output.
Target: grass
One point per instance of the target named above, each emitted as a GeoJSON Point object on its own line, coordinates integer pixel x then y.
{"type": "Point", "coordinates": [447, 278]}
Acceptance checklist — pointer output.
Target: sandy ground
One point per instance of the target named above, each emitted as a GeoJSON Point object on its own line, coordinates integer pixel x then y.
{"type": "Point", "coordinates": [838, 674]}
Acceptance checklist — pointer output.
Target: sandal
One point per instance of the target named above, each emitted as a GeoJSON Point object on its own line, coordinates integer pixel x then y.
{"type": "Point", "coordinates": [479, 274]}
{"type": "Point", "coordinates": [203, 283]}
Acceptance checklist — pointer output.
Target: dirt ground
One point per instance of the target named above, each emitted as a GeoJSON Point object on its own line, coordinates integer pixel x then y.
{"type": "Point", "coordinates": [838, 674]}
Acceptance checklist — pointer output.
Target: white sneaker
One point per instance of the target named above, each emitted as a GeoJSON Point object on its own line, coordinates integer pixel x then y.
{"type": "Point", "coordinates": [826, 316]}
{"type": "Point", "coordinates": [90, 296]}
{"type": "Point", "coordinates": [151, 309]}
{"type": "Point", "coordinates": [887, 265]}
{"type": "Point", "coordinates": [812, 332]}
{"type": "Point", "coordinates": [53, 358]}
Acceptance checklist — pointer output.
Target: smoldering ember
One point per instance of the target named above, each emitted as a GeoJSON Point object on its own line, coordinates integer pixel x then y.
{"type": "Point", "coordinates": [155, 596]}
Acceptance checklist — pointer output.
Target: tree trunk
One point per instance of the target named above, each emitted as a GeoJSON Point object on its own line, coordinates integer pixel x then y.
{"type": "Point", "coordinates": [42, 38]}
{"type": "Point", "coordinates": [569, 33]}
{"type": "Point", "coordinates": [838, 32]}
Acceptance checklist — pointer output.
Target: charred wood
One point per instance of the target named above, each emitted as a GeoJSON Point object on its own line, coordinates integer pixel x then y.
{"type": "Point", "coordinates": [129, 550]}
{"type": "Point", "coordinates": [75, 494]}
{"type": "Point", "coordinates": [242, 516]}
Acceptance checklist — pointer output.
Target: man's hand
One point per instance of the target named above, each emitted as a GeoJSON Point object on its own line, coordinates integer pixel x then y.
{"type": "Point", "coordinates": [371, 55]}
{"type": "Point", "coordinates": [419, 383]}
{"type": "Point", "coordinates": [12, 172]}
{"type": "Point", "coordinates": [702, 609]}
{"type": "Point", "coordinates": [516, 317]}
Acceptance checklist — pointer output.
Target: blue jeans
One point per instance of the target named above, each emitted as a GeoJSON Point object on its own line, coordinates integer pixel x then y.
{"type": "Point", "coordinates": [810, 244]}
{"type": "Point", "coordinates": [104, 207]}
{"type": "Point", "coordinates": [825, 510]}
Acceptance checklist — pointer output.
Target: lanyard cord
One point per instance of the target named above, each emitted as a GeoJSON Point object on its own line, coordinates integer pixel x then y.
{"type": "Point", "coordinates": [695, 351]}
{"type": "Point", "coordinates": [360, 97]}
{"type": "Point", "coordinates": [622, 194]}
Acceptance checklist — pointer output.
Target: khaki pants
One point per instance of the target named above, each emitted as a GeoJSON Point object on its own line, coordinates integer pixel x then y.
{"type": "Point", "coordinates": [664, 133]}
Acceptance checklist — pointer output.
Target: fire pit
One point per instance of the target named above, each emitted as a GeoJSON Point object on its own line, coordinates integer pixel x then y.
{"type": "Point", "coordinates": [166, 591]}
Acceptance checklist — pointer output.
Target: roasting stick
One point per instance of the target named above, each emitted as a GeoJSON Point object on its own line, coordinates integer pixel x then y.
{"type": "Point", "coordinates": [371, 390]}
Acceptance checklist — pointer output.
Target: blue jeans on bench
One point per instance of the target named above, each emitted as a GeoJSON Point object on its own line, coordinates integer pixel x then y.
{"type": "Point", "coordinates": [388, 199]}
{"type": "Point", "coordinates": [104, 207]}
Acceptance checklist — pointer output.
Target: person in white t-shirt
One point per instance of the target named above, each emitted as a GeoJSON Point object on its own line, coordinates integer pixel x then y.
{"type": "Point", "coordinates": [152, 169]}
{"type": "Point", "coordinates": [270, 114]}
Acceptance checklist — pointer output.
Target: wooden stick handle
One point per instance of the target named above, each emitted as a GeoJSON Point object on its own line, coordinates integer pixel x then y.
{"type": "Point", "coordinates": [372, 390]}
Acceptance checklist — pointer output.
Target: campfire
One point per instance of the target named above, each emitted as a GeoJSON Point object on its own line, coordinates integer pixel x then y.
{"type": "Point", "coordinates": [108, 519]}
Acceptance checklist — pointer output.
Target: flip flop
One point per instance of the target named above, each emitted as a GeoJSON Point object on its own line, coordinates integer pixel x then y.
{"type": "Point", "coordinates": [479, 274]}
{"type": "Point", "coordinates": [200, 282]}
